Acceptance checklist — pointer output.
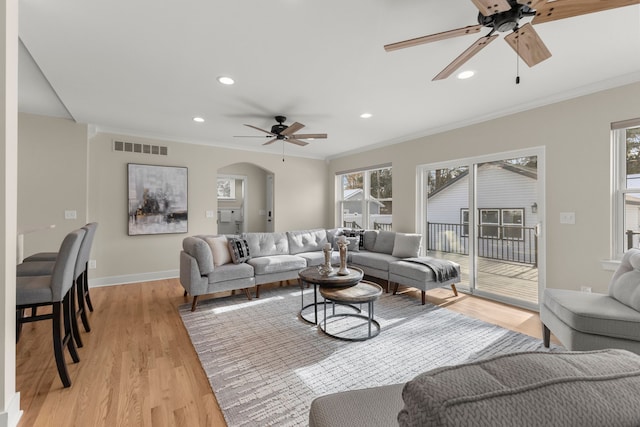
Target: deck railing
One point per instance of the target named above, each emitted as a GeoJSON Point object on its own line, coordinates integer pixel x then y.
{"type": "Point", "coordinates": [381, 226]}
{"type": "Point", "coordinates": [499, 242]}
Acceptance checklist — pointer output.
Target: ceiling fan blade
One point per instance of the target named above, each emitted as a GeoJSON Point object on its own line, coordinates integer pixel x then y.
{"type": "Point", "coordinates": [297, 142]}
{"type": "Point", "coordinates": [490, 7]}
{"type": "Point", "coordinates": [528, 45]}
{"type": "Point", "coordinates": [311, 135]}
{"type": "Point", "coordinates": [561, 9]}
{"type": "Point", "coordinates": [533, 4]}
{"type": "Point", "coordinates": [271, 141]}
{"type": "Point", "coordinates": [261, 130]}
{"type": "Point", "coordinates": [480, 44]}
{"type": "Point", "coordinates": [433, 38]}
{"type": "Point", "coordinates": [292, 129]}
{"type": "Point", "coordinates": [252, 136]}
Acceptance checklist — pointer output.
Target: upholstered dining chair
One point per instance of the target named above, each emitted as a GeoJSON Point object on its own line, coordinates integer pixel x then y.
{"type": "Point", "coordinates": [51, 256]}
{"type": "Point", "coordinates": [55, 291]}
{"type": "Point", "coordinates": [80, 278]}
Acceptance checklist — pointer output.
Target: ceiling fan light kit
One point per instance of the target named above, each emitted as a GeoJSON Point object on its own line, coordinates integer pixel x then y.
{"type": "Point", "coordinates": [505, 15]}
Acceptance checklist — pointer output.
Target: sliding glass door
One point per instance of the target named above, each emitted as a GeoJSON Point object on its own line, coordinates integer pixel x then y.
{"type": "Point", "coordinates": [486, 213]}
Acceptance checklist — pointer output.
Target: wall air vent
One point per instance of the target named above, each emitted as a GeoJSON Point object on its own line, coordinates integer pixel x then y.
{"type": "Point", "coordinates": [134, 147]}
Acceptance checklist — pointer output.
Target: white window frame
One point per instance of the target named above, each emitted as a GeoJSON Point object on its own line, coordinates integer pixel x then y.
{"type": "Point", "coordinates": [366, 190]}
{"type": "Point", "coordinates": [619, 183]}
{"type": "Point", "coordinates": [512, 225]}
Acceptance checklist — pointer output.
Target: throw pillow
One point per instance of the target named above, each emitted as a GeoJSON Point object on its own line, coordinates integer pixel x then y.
{"type": "Point", "coordinates": [353, 245]}
{"type": "Point", "coordinates": [406, 245]}
{"type": "Point", "coordinates": [356, 232]}
{"type": "Point", "coordinates": [384, 242]}
{"type": "Point", "coordinates": [239, 250]}
{"type": "Point", "coordinates": [219, 249]}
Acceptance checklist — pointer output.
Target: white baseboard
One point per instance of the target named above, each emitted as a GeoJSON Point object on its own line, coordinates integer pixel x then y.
{"type": "Point", "coordinates": [133, 278]}
{"type": "Point", "coordinates": [11, 416]}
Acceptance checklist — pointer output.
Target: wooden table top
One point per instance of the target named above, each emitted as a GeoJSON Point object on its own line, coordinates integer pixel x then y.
{"type": "Point", "coordinates": [313, 276]}
{"type": "Point", "coordinates": [362, 292]}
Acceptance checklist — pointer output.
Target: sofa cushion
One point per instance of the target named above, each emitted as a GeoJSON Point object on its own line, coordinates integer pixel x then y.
{"type": "Point", "coordinates": [316, 258]}
{"type": "Point", "coordinates": [265, 244]}
{"type": "Point", "coordinates": [200, 250]}
{"type": "Point", "coordinates": [406, 245]}
{"type": "Point", "coordinates": [593, 313]}
{"type": "Point", "coordinates": [373, 260]}
{"type": "Point", "coordinates": [219, 249]}
{"type": "Point", "coordinates": [370, 239]}
{"type": "Point", "coordinates": [230, 272]}
{"type": "Point", "coordinates": [528, 389]}
{"type": "Point", "coordinates": [277, 264]}
{"type": "Point", "coordinates": [333, 233]}
{"type": "Point", "coordinates": [306, 240]}
{"type": "Point", "coordinates": [239, 250]}
{"type": "Point", "coordinates": [384, 242]}
{"type": "Point", "coordinates": [625, 285]}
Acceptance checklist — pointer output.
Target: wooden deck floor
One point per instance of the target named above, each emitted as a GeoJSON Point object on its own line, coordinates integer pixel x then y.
{"type": "Point", "coordinates": [504, 278]}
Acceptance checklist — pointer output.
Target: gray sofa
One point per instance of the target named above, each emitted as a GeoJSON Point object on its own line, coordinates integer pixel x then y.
{"type": "Point", "coordinates": [279, 256]}
{"type": "Point", "coordinates": [599, 388]}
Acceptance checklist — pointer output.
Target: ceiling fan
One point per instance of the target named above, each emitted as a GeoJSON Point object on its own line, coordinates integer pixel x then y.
{"type": "Point", "coordinates": [282, 132]}
{"type": "Point", "coordinates": [505, 15]}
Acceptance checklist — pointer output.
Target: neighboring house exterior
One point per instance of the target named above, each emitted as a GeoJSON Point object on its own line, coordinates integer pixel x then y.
{"type": "Point", "coordinates": [507, 213]}
{"type": "Point", "coordinates": [352, 209]}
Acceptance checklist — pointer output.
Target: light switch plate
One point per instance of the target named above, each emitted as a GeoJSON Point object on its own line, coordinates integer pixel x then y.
{"type": "Point", "coordinates": [209, 214]}
{"type": "Point", "coordinates": [567, 217]}
{"type": "Point", "coordinates": [70, 214]}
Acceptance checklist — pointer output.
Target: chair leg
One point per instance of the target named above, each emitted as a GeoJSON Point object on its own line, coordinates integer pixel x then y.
{"type": "Point", "coordinates": [257, 291]}
{"type": "Point", "coordinates": [19, 316]}
{"type": "Point", "coordinates": [75, 329]}
{"type": "Point", "coordinates": [67, 317]}
{"type": "Point", "coordinates": [185, 294]}
{"type": "Point", "coordinates": [546, 336]}
{"type": "Point", "coordinates": [246, 292]}
{"type": "Point", "coordinates": [423, 297]}
{"type": "Point", "coordinates": [395, 288]}
{"type": "Point", "coordinates": [82, 309]}
{"type": "Point", "coordinates": [454, 289]}
{"type": "Point", "coordinates": [58, 346]}
{"type": "Point", "coordinates": [195, 302]}
{"type": "Point", "coordinates": [85, 290]}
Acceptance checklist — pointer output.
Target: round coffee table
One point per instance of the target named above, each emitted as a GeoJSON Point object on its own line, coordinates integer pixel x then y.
{"type": "Point", "coordinates": [363, 292]}
{"type": "Point", "coordinates": [312, 276]}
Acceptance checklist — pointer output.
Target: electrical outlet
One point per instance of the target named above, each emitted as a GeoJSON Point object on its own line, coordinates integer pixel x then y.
{"type": "Point", "coordinates": [92, 263]}
{"type": "Point", "coordinates": [70, 214]}
{"type": "Point", "coordinates": [585, 288]}
{"type": "Point", "coordinates": [208, 214]}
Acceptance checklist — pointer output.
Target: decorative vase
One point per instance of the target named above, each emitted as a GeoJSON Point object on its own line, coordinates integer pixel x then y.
{"type": "Point", "coordinates": [326, 268]}
{"type": "Point", "coordinates": [342, 245]}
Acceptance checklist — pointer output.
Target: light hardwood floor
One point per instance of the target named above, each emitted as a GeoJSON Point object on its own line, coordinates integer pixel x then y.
{"type": "Point", "coordinates": [138, 367]}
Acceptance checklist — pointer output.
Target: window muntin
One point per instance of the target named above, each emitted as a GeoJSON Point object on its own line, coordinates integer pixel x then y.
{"type": "Point", "coordinates": [512, 222]}
{"type": "Point", "coordinates": [496, 223]}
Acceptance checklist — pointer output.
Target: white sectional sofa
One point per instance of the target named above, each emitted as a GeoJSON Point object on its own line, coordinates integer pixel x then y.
{"type": "Point", "coordinates": [279, 256]}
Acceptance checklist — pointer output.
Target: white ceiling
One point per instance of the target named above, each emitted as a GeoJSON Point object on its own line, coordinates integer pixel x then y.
{"type": "Point", "coordinates": [147, 68]}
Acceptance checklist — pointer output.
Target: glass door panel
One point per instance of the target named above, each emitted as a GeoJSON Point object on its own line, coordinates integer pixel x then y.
{"type": "Point", "coordinates": [507, 240]}
{"type": "Point", "coordinates": [448, 218]}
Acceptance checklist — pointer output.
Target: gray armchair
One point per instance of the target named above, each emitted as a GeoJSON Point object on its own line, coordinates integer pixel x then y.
{"type": "Point", "coordinates": [590, 321]}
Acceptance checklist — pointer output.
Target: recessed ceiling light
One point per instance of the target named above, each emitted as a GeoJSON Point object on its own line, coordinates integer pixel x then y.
{"type": "Point", "coordinates": [466, 74]}
{"type": "Point", "coordinates": [366, 115]}
{"type": "Point", "coordinates": [226, 80]}
{"type": "Point", "coordinates": [198, 119]}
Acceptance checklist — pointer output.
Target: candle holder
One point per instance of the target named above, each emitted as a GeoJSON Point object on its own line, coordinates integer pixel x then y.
{"type": "Point", "coordinates": [326, 268]}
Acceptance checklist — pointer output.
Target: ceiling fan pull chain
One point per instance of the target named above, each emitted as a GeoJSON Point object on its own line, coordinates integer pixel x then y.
{"type": "Point", "coordinates": [283, 150]}
{"type": "Point", "coordinates": [518, 60]}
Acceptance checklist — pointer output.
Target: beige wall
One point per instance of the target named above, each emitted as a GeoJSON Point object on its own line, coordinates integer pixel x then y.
{"type": "Point", "coordinates": [576, 137]}
{"type": "Point", "coordinates": [122, 258]}
{"type": "Point", "coordinates": [52, 178]}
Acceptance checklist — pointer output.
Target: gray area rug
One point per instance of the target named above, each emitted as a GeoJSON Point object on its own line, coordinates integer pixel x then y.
{"type": "Point", "coordinates": [265, 365]}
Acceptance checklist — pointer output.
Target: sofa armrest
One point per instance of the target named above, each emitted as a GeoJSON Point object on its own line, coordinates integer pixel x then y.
{"type": "Point", "coordinates": [190, 278]}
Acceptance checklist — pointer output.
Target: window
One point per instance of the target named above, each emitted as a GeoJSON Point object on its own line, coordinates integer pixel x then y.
{"type": "Point", "coordinates": [496, 223]}
{"type": "Point", "coordinates": [365, 198]}
{"type": "Point", "coordinates": [626, 171]}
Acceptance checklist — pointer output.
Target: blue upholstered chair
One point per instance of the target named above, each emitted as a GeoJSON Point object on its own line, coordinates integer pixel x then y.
{"type": "Point", "coordinates": [53, 290]}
